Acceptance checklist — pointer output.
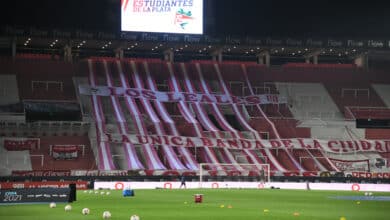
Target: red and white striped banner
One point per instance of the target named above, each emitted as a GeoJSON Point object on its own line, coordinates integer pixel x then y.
{"type": "Point", "coordinates": [351, 165]}
{"type": "Point", "coordinates": [19, 144]}
{"type": "Point", "coordinates": [181, 96]}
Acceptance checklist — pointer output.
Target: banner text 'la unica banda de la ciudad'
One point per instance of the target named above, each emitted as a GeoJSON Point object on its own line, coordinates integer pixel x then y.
{"type": "Point", "coordinates": [332, 146]}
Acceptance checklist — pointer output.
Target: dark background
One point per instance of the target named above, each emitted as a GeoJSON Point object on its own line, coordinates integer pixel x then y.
{"type": "Point", "coordinates": [276, 18]}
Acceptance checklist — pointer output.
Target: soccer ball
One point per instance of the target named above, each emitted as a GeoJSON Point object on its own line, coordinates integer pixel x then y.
{"type": "Point", "coordinates": [52, 205]}
{"type": "Point", "coordinates": [85, 211]}
{"type": "Point", "coordinates": [68, 208]}
{"type": "Point", "coordinates": [134, 217]}
{"type": "Point", "coordinates": [106, 215]}
{"type": "Point", "coordinates": [366, 193]}
{"type": "Point", "coordinates": [370, 193]}
{"type": "Point", "coordinates": [107, 193]}
{"type": "Point", "coordinates": [102, 193]}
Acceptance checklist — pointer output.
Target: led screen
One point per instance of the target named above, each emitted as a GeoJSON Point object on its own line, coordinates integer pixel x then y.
{"type": "Point", "coordinates": [163, 16]}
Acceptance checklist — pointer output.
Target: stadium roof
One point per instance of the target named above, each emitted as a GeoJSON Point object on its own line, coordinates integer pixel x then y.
{"type": "Point", "coordinates": [339, 29]}
{"type": "Point", "coordinates": [276, 18]}
{"type": "Point", "coordinates": [100, 43]}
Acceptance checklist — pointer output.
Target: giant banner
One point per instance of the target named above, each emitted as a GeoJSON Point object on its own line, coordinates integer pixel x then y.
{"type": "Point", "coordinates": [181, 96]}
{"type": "Point", "coordinates": [332, 146]}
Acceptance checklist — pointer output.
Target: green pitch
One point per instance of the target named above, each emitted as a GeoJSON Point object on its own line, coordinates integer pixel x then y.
{"type": "Point", "coordinates": [227, 204]}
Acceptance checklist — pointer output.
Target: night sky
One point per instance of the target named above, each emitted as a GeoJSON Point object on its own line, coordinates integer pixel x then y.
{"type": "Point", "coordinates": [276, 18]}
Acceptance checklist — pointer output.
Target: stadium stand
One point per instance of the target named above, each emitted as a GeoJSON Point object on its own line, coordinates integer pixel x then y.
{"type": "Point", "coordinates": [322, 103]}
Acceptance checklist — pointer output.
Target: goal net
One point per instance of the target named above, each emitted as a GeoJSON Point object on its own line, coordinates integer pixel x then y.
{"type": "Point", "coordinates": [234, 172]}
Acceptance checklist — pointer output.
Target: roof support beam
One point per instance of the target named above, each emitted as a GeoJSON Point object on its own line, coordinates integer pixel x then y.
{"type": "Point", "coordinates": [264, 58]}
{"type": "Point", "coordinates": [119, 52]}
{"type": "Point", "coordinates": [312, 57]}
{"type": "Point", "coordinates": [361, 60]}
{"type": "Point", "coordinates": [68, 53]}
{"type": "Point", "coordinates": [169, 55]}
{"type": "Point", "coordinates": [217, 55]}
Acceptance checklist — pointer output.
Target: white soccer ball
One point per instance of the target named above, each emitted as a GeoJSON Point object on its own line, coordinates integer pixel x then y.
{"type": "Point", "coordinates": [366, 193]}
{"type": "Point", "coordinates": [106, 215]}
{"type": "Point", "coordinates": [134, 217]}
{"type": "Point", "coordinates": [68, 208]}
{"type": "Point", "coordinates": [52, 205]}
{"type": "Point", "coordinates": [107, 193]}
{"type": "Point", "coordinates": [102, 193]}
{"type": "Point", "coordinates": [370, 193]}
{"type": "Point", "coordinates": [85, 211]}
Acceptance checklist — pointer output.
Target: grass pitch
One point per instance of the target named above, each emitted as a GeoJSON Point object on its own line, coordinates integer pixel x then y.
{"type": "Point", "coordinates": [224, 204]}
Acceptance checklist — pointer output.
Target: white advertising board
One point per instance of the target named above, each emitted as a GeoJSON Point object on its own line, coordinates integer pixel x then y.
{"type": "Point", "coordinates": [244, 185]}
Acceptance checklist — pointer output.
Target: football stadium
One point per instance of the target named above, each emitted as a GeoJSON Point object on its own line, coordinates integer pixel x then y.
{"type": "Point", "coordinates": [194, 109]}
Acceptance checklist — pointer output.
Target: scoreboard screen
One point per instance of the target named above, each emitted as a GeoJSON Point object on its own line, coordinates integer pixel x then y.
{"type": "Point", "coordinates": [162, 16]}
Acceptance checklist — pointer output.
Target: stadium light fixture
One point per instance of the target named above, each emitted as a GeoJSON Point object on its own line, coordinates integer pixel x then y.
{"type": "Point", "coordinates": [27, 42]}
